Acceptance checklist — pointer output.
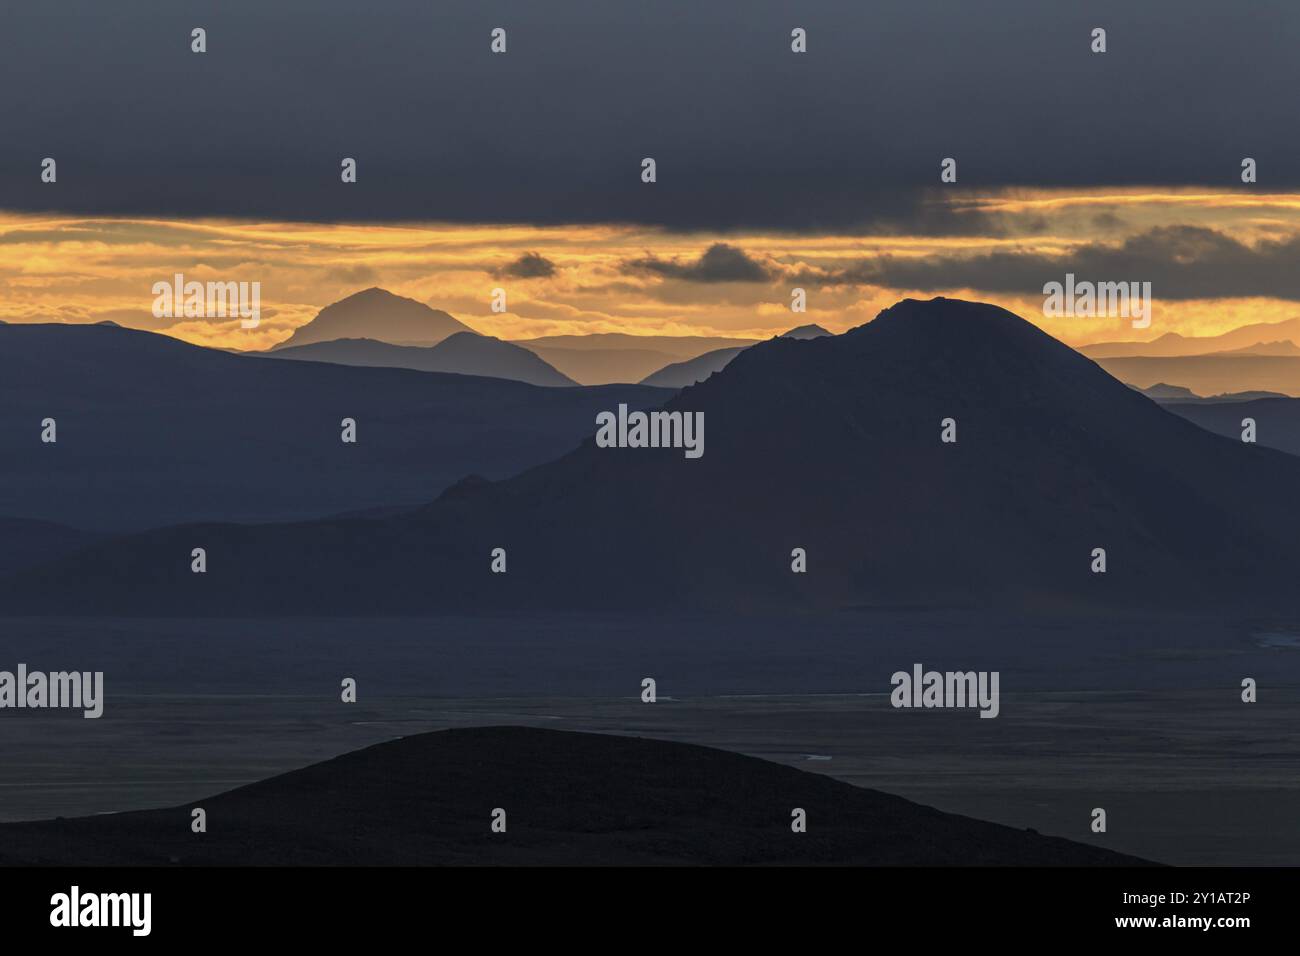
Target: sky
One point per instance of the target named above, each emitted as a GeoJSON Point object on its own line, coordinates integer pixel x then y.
{"type": "Point", "coordinates": [774, 170]}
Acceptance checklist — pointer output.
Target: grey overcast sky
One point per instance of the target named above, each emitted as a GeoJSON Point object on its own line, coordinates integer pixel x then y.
{"type": "Point", "coordinates": [745, 133]}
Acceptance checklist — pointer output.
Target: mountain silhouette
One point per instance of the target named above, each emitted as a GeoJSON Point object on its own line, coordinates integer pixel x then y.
{"type": "Point", "coordinates": [603, 366]}
{"type": "Point", "coordinates": [678, 346]}
{"type": "Point", "coordinates": [682, 374]}
{"type": "Point", "coordinates": [1173, 394]}
{"type": "Point", "coordinates": [1162, 392]}
{"type": "Point", "coordinates": [463, 353]}
{"type": "Point", "coordinates": [568, 798]}
{"type": "Point", "coordinates": [1277, 419]}
{"type": "Point", "coordinates": [605, 357]}
{"type": "Point", "coordinates": [810, 331]}
{"type": "Point", "coordinates": [378, 314]}
{"type": "Point", "coordinates": [154, 431]}
{"type": "Point", "coordinates": [831, 445]}
{"type": "Point", "coordinates": [1284, 347]}
{"type": "Point", "coordinates": [1211, 374]}
{"type": "Point", "coordinates": [1172, 344]}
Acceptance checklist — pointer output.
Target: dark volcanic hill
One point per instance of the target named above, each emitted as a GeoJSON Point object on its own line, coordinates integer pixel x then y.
{"type": "Point", "coordinates": [569, 798]}
{"type": "Point", "coordinates": [378, 314]}
{"type": "Point", "coordinates": [830, 444]}
{"type": "Point", "coordinates": [153, 431]}
{"type": "Point", "coordinates": [464, 353]}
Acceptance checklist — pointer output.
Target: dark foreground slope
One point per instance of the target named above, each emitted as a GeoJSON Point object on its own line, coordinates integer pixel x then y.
{"type": "Point", "coordinates": [153, 431]}
{"type": "Point", "coordinates": [831, 445]}
{"type": "Point", "coordinates": [569, 798]}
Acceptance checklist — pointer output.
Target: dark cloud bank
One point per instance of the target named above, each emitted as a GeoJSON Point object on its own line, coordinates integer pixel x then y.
{"type": "Point", "coordinates": [721, 262]}
{"type": "Point", "coordinates": [1181, 262]}
{"type": "Point", "coordinates": [746, 134]}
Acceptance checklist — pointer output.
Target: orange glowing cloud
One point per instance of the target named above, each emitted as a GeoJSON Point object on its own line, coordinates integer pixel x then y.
{"type": "Point", "coordinates": [604, 278]}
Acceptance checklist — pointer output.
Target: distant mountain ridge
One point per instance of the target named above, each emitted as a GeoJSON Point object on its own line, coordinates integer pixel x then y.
{"type": "Point", "coordinates": [1284, 347]}
{"type": "Point", "coordinates": [831, 445]}
{"type": "Point", "coordinates": [1263, 357]}
{"type": "Point", "coordinates": [380, 317]}
{"type": "Point", "coordinates": [682, 374]}
{"type": "Point", "coordinates": [605, 357]}
{"type": "Point", "coordinates": [1276, 418]}
{"type": "Point", "coordinates": [1220, 373]}
{"type": "Point", "coordinates": [462, 353]}
{"type": "Point", "coordinates": [810, 331]}
{"type": "Point", "coordinates": [1173, 344]}
{"type": "Point", "coordinates": [682, 346]}
{"type": "Point", "coordinates": [1173, 394]}
{"type": "Point", "coordinates": [154, 431]}
{"type": "Point", "coordinates": [377, 314]}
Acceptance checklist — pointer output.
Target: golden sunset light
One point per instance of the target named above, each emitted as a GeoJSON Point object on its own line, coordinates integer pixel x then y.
{"type": "Point", "coordinates": [631, 279]}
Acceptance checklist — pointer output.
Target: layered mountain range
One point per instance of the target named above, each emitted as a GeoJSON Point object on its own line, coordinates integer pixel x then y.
{"type": "Point", "coordinates": [833, 445]}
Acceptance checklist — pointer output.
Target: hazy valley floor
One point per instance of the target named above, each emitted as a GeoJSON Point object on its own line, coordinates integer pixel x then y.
{"type": "Point", "coordinates": [1142, 717]}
